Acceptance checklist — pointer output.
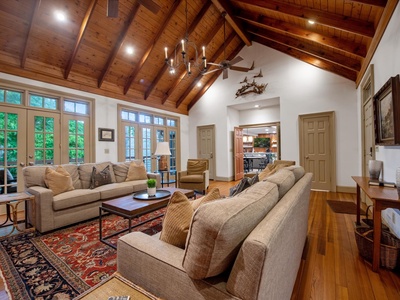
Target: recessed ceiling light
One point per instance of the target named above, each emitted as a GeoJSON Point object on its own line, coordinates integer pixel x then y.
{"type": "Point", "coordinates": [311, 21]}
{"type": "Point", "coordinates": [60, 16]}
{"type": "Point", "coordinates": [199, 84]}
{"type": "Point", "coordinates": [129, 50]}
{"type": "Point", "coordinates": [257, 106]}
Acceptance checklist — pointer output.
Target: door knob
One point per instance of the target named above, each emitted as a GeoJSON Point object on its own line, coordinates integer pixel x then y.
{"type": "Point", "coordinates": [307, 157]}
{"type": "Point", "coordinates": [31, 163]}
{"type": "Point", "coordinates": [22, 164]}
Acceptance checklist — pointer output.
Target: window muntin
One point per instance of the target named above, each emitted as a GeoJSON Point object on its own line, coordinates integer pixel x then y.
{"type": "Point", "coordinates": [172, 122]}
{"type": "Point", "coordinates": [145, 118]}
{"type": "Point", "coordinates": [129, 116]}
{"type": "Point", "coordinates": [130, 149]}
{"type": "Point", "coordinates": [159, 120]}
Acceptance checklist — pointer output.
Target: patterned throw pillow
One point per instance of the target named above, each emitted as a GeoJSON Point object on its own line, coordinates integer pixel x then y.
{"type": "Point", "coordinates": [100, 178]}
{"type": "Point", "coordinates": [58, 180]}
{"type": "Point", "coordinates": [137, 171]}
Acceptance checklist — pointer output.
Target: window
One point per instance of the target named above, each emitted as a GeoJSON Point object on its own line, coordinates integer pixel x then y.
{"type": "Point", "coordinates": [76, 141]}
{"type": "Point", "coordinates": [159, 120]}
{"type": "Point", "coordinates": [77, 107]}
{"type": "Point", "coordinates": [171, 122]}
{"type": "Point", "coordinates": [9, 96]}
{"type": "Point", "coordinates": [145, 118]}
{"type": "Point", "coordinates": [43, 102]}
{"type": "Point", "coordinates": [129, 116]}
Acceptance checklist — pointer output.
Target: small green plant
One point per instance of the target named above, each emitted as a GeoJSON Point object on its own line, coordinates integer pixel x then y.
{"type": "Point", "coordinates": [151, 183]}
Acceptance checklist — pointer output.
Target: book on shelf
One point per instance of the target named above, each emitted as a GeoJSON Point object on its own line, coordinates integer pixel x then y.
{"type": "Point", "coordinates": [382, 183]}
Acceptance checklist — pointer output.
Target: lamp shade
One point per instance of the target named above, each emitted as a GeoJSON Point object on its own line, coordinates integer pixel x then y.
{"type": "Point", "coordinates": [162, 149]}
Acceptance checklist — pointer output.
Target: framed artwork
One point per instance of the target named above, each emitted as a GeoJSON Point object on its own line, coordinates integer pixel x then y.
{"type": "Point", "coordinates": [106, 134]}
{"type": "Point", "coordinates": [387, 113]}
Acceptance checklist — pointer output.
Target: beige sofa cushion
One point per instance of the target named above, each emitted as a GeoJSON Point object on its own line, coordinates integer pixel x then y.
{"type": "Point", "coordinates": [196, 167]}
{"type": "Point", "coordinates": [213, 194]}
{"type": "Point", "coordinates": [219, 227]}
{"type": "Point", "coordinates": [298, 172]}
{"type": "Point", "coordinates": [137, 171]}
{"type": "Point", "coordinates": [121, 170]}
{"type": "Point", "coordinates": [58, 180]}
{"type": "Point", "coordinates": [284, 179]}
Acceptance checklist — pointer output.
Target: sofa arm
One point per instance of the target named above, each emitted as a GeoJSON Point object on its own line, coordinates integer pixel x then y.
{"type": "Point", "coordinates": [148, 261]}
{"type": "Point", "coordinates": [155, 176]}
{"type": "Point", "coordinates": [44, 214]}
{"type": "Point", "coordinates": [206, 178]}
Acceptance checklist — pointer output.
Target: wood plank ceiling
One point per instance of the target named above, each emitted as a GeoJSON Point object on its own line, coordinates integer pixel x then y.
{"type": "Point", "coordinates": [88, 50]}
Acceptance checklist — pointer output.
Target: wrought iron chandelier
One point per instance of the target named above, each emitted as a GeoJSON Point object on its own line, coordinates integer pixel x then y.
{"type": "Point", "coordinates": [181, 54]}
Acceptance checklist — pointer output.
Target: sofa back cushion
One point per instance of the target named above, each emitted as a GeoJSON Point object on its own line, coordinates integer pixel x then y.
{"type": "Point", "coordinates": [121, 170]}
{"type": "Point", "coordinates": [197, 166]}
{"type": "Point", "coordinates": [85, 172]}
{"type": "Point", "coordinates": [284, 179]}
{"type": "Point", "coordinates": [218, 228]}
{"type": "Point", "coordinates": [35, 175]}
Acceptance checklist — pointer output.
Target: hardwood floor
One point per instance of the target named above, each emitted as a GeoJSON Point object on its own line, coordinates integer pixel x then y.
{"type": "Point", "coordinates": [331, 267]}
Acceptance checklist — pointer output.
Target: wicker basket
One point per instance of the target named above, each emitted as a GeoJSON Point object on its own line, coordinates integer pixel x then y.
{"type": "Point", "coordinates": [390, 247]}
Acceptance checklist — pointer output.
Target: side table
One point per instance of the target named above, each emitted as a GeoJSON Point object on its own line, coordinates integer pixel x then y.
{"type": "Point", "coordinates": [12, 202]}
{"type": "Point", "coordinates": [116, 285]}
{"type": "Point", "coordinates": [168, 181]}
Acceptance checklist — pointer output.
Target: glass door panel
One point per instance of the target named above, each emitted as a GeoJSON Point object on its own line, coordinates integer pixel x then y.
{"type": "Point", "coordinates": [43, 138]}
{"type": "Point", "coordinates": [12, 149]}
{"type": "Point", "coordinates": [77, 149]}
{"type": "Point", "coordinates": [147, 148]}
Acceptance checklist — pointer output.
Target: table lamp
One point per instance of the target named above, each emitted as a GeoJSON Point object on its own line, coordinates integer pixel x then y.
{"type": "Point", "coordinates": [162, 151]}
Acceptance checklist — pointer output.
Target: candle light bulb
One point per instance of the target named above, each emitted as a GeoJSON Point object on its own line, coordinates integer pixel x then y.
{"type": "Point", "coordinates": [204, 51]}
{"type": "Point", "coordinates": [183, 45]}
{"type": "Point", "coordinates": [166, 53]}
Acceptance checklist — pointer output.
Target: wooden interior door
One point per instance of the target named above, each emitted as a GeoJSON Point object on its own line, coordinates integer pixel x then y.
{"type": "Point", "coordinates": [317, 149]}
{"type": "Point", "coordinates": [206, 147]}
{"type": "Point", "coordinates": [238, 153]}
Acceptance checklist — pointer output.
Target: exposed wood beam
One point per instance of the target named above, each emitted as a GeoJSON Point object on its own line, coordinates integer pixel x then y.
{"type": "Point", "coordinates": [144, 58]}
{"type": "Point", "coordinates": [213, 78]}
{"type": "Point", "coordinates": [308, 58]}
{"type": "Point", "coordinates": [191, 28]}
{"type": "Point", "coordinates": [118, 44]}
{"type": "Point", "coordinates": [379, 3]}
{"type": "Point", "coordinates": [78, 41]}
{"type": "Point", "coordinates": [284, 27]}
{"type": "Point", "coordinates": [213, 58]}
{"type": "Point", "coordinates": [380, 30]}
{"type": "Point", "coordinates": [28, 35]}
{"type": "Point", "coordinates": [348, 24]}
{"type": "Point", "coordinates": [208, 39]}
{"type": "Point", "coordinates": [224, 6]}
{"type": "Point", "coordinates": [308, 47]}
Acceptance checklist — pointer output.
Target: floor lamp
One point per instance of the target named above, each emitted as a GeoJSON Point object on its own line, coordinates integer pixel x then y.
{"type": "Point", "coordinates": [162, 151]}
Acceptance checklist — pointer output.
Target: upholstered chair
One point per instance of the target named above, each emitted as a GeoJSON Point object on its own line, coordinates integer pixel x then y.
{"type": "Point", "coordinates": [196, 177]}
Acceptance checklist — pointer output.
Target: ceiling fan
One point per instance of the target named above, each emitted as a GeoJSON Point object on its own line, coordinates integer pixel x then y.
{"type": "Point", "coordinates": [112, 7]}
{"type": "Point", "coordinates": [226, 64]}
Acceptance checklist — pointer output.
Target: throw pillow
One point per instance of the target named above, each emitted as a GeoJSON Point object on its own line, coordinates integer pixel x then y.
{"type": "Point", "coordinates": [137, 171]}
{"type": "Point", "coordinates": [240, 187]}
{"type": "Point", "coordinates": [176, 222]}
{"type": "Point", "coordinates": [100, 178]}
{"type": "Point", "coordinates": [58, 180]}
{"type": "Point", "coordinates": [214, 194]}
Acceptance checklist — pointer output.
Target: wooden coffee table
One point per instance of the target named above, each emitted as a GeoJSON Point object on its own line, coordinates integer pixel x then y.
{"type": "Point", "coordinates": [130, 208]}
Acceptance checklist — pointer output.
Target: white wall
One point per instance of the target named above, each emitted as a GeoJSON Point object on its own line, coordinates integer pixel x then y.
{"type": "Point", "coordinates": [302, 89]}
{"type": "Point", "coordinates": [386, 63]}
{"type": "Point", "coordinates": [106, 117]}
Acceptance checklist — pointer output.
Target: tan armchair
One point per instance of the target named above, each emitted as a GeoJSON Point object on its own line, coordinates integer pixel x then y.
{"type": "Point", "coordinates": [196, 176]}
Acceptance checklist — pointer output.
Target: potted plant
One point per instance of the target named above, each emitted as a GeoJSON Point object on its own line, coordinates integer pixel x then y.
{"type": "Point", "coordinates": [151, 187]}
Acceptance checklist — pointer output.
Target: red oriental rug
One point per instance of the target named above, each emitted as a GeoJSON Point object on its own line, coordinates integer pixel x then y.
{"type": "Point", "coordinates": [65, 263]}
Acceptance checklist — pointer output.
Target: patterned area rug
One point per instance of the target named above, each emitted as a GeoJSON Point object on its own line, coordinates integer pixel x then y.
{"type": "Point", "coordinates": [65, 263]}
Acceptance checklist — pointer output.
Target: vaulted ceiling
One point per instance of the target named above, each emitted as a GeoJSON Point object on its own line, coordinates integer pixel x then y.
{"type": "Point", "coordinates": [88, 50]}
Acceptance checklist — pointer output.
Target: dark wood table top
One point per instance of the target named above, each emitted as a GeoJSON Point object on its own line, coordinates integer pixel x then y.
{"type": "Point", "coordinates": [129, 206]}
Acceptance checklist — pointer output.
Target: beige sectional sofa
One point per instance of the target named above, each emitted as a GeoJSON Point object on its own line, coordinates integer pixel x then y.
{"type": "Point", "coordinates": [81, 203]}
{"type": "Point", "coordinates": [248, 246]}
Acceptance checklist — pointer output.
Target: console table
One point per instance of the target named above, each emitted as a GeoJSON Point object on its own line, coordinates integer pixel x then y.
{"type": "Point", "coordinates": [382, 198]}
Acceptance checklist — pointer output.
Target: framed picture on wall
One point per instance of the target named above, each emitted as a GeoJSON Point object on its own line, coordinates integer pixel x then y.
{"type": "Point", "coordinates": [106, 134]}
{"type": "Point", "coordinates": [387, 113]}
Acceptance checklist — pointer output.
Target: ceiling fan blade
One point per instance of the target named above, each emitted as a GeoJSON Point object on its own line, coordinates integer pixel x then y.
{"type": "Point", "coordinates": [150, 5]}
{"type": "Point", "coordinates": [225, 74]}
{"type": "Point", "coordinates": [235, 60]}
{"type": "Point", "coordinates": [240, 69]}
{"type": "Point", "coordinates": [214, 64]}
{"type": "Point", "coordinates": [112, 8]}
{"type": "Point", "coordinates": [209, 72]}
